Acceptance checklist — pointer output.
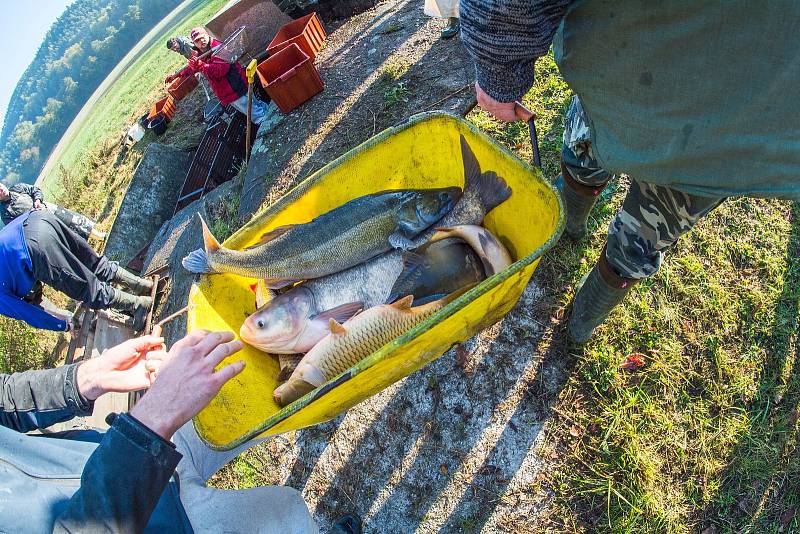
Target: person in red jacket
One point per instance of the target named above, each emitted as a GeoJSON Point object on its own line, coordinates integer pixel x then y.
{"type": "Point", "coordinates": [227, 80]}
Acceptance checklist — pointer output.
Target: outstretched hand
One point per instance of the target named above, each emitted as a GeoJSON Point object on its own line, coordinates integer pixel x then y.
{"type": "Point", "coordinates": [186, 380]}
{"type": "Point", "coordinates": [122, 368]}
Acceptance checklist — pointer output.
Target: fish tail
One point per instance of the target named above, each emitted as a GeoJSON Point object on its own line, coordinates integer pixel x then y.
{"type": "Point", "coordinates": [197, 262]}
{"type": "Point", "coordinates": [209, 241]}
{"type": "Point", "coordinates": [491, 188]}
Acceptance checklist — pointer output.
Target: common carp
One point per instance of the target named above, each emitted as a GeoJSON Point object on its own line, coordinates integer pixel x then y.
{"type": "Point", "coordinates": [349, 343]}
{"type": "Point", "coordinates": [345, 236]}
{"type": "Point", "coordinates": [493, 254]}
{"type": "Point", "coordinates": [368, 284]}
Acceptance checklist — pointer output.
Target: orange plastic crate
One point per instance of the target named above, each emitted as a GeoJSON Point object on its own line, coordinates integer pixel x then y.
{"type": "Point", "coordinates": [165, 107]}
{"type": "Point", "coordinates": [181, 87]}
{"type": "Point", "coordinates": [289, 77]}
{"type": "Point", "coordinates": [306, 32]}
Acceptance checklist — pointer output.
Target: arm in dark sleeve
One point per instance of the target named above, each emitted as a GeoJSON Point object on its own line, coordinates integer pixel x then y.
{"type": "Point", "coordinates": [31, 190]}
{"type": "Point", "coordinates": [121, 482]}
{"type": "Point", "coordinates": [38, 399]}
{"type": "Point", "coordinates": [505, 37]}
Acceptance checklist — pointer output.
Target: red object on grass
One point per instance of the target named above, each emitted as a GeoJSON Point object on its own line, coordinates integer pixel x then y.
{"type": "Point", "coordinates": [306, 32]}
{"type": "Point", "coordinates": [633, 362]}
{"type": "Point", "coordinates": [181, 87]}
{"type": "Point", "coordinates": [289, 77]}
{"type": "Point", "coordinates": [164, 107]}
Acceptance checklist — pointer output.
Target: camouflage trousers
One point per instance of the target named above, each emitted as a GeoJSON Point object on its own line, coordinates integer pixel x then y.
{"type": "Point", "coordinates": [652, 217]}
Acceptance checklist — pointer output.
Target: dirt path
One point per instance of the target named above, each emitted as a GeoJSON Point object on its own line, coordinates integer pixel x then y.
{"type": "Point", "coordinates": [453, 447]}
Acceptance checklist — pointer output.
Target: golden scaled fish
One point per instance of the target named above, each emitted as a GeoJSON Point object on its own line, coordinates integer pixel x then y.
{"type": "Point", "coordinates": [351, 342]}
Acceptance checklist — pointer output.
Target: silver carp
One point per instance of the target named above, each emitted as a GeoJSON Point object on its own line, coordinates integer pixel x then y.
{"type": "Point", "coordinates": [493, 254]}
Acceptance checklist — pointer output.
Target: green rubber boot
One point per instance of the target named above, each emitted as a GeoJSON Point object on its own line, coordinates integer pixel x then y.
{"type": "Point", "coordinates": [133, 305]}
{"type": "Point", "coordinates": [133, 283]}
{"type": "Point", "coordinates": [578, 202]}
{"type": "Point", "coordinates": [598, 293]}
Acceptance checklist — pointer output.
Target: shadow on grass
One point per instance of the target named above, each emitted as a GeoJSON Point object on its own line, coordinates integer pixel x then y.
{"type": "Point", "coordinates": [760, 489]}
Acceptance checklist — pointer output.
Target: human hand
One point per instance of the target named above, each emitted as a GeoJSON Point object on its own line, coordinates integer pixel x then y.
{"type": "Point", "coordinates": [186, 380]}
{"type": "Point", "coordinates": [37, 204]}
{"type": "Point", "coordinates": [169, 78]}
{"type": "Point", "coordinates": [195, 64]}
{"type": "Point", "coordinates": [121, 368]}
{"type": "Point", "coordinates": [502, 110]}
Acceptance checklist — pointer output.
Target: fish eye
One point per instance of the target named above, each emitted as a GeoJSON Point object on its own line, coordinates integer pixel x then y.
{"type": "Point", "coordinates": [260, 323]}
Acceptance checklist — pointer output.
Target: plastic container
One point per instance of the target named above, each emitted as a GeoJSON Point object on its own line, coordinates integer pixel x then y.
{"type": "Point", "coordinates": [289, 77]}
{"type": "Point", "coordinates": [425, 152]}
{"type": "Point", "coordinates": [181, 87]}
{"type": "Point", "coordinates": [158, 124]}
{"type": "Point", "coordinates": [135, 134]}
{"type": "Point", "coordinates": [164, 107]}
{"type": "Point", "coordinates": [306, 32]}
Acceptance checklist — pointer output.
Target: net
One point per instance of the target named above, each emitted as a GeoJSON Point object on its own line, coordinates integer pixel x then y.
{"type": "Point", "coordinates": [233, 47]}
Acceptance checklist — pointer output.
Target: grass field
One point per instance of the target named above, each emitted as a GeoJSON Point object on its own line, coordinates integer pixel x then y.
{"type": "Point", "coordinates": [93, 165]}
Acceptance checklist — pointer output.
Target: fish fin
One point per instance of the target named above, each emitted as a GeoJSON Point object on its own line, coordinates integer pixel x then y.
{"type": "Point", "coordinates": [441, 233]}
{"type": "Point", "coordinates": [404, 303]}
{"type": "Point", "coordinates": [291, 390]}
{"type": "Point", "coordinates": [491, 188]}
{"type": "Point", "coordinates": [341, 313]}
{"type": "Point", "coordinates": [263, 294]}
{"type": "Point", "coordinates": [288, 363]}
{"type": "Point", "coordinates": [197, 262]}
{"type": "Point", "coordinates": [271, 235]}
{"type": "Point", "coordinates": [401, 242]}
{"type": "Point", "coordinates": [412, 259]}
{"type": "Point", "coordinates": [278, 284]}
{"type": "Point", "coordinates": [472, 169]}
{"type": "Point", "coordinates": [335, 327]}
{"type": "Point", "coordinates": [209, 241]}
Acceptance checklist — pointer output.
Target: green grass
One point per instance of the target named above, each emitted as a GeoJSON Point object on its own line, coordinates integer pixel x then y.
{"type": "Point", "coordinates": [705, 436]}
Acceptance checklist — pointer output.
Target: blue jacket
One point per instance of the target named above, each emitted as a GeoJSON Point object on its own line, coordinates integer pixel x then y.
{"type": "Point", "coordinates": [72, 483]}
{"type": "Point", "coordinates": [16, 279]}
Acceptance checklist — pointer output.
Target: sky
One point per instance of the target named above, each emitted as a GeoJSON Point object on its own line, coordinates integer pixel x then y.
{"type": "Point", "coordinates": [23, 26]}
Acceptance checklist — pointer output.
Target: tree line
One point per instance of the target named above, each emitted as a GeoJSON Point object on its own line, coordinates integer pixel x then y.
{"type": "Point", "coordinates": [82, 46]}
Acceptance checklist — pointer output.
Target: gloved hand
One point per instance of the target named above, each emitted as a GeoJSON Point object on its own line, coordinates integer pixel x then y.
{"type": "Point", "coordinates": [169, 78]}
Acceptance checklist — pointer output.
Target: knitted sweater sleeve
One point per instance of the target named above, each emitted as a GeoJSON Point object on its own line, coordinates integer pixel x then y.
{"type": "Point", "coordinates": [504, 38]}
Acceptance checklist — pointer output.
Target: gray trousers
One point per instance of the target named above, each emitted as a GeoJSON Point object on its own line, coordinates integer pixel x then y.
{"type": "Point", "coordinates": [652, 217]}
{"type": "Point", "coordinates": [266, 509]}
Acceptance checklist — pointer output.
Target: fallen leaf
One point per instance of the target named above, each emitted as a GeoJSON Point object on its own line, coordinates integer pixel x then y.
{"type": "Point", "coordinates": [461, 356]}
{"type": "Point", "coordinates": [575, 431]}
{"type": "Point", "coordinates": [443, 469]}
{"type": "Point", "coordinates": [633, 362]}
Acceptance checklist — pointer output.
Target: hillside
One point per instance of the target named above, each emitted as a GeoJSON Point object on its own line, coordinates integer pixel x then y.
{"type": "Point", "coordinates": [79, 50]}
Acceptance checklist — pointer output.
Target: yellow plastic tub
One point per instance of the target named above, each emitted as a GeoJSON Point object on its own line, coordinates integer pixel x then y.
{"type": "Point", "coordinates": [422, 153]}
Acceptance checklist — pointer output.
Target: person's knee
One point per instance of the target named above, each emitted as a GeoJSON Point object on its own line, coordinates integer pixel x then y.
{"type": "Point", "coordinates": [630, 254]}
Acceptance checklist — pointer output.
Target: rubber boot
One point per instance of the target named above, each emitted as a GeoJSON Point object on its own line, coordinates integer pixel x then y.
{"type": "Point", "coordinates": [578, 202]}
{"type": "Point", "coordinates": [133, 283]}
{"type": "Point", "coordinates": [452, 28]}
{"type": "Point", "coordinates": [134, 305]}
{"type": "Point", "coordinates": [598, 293]}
